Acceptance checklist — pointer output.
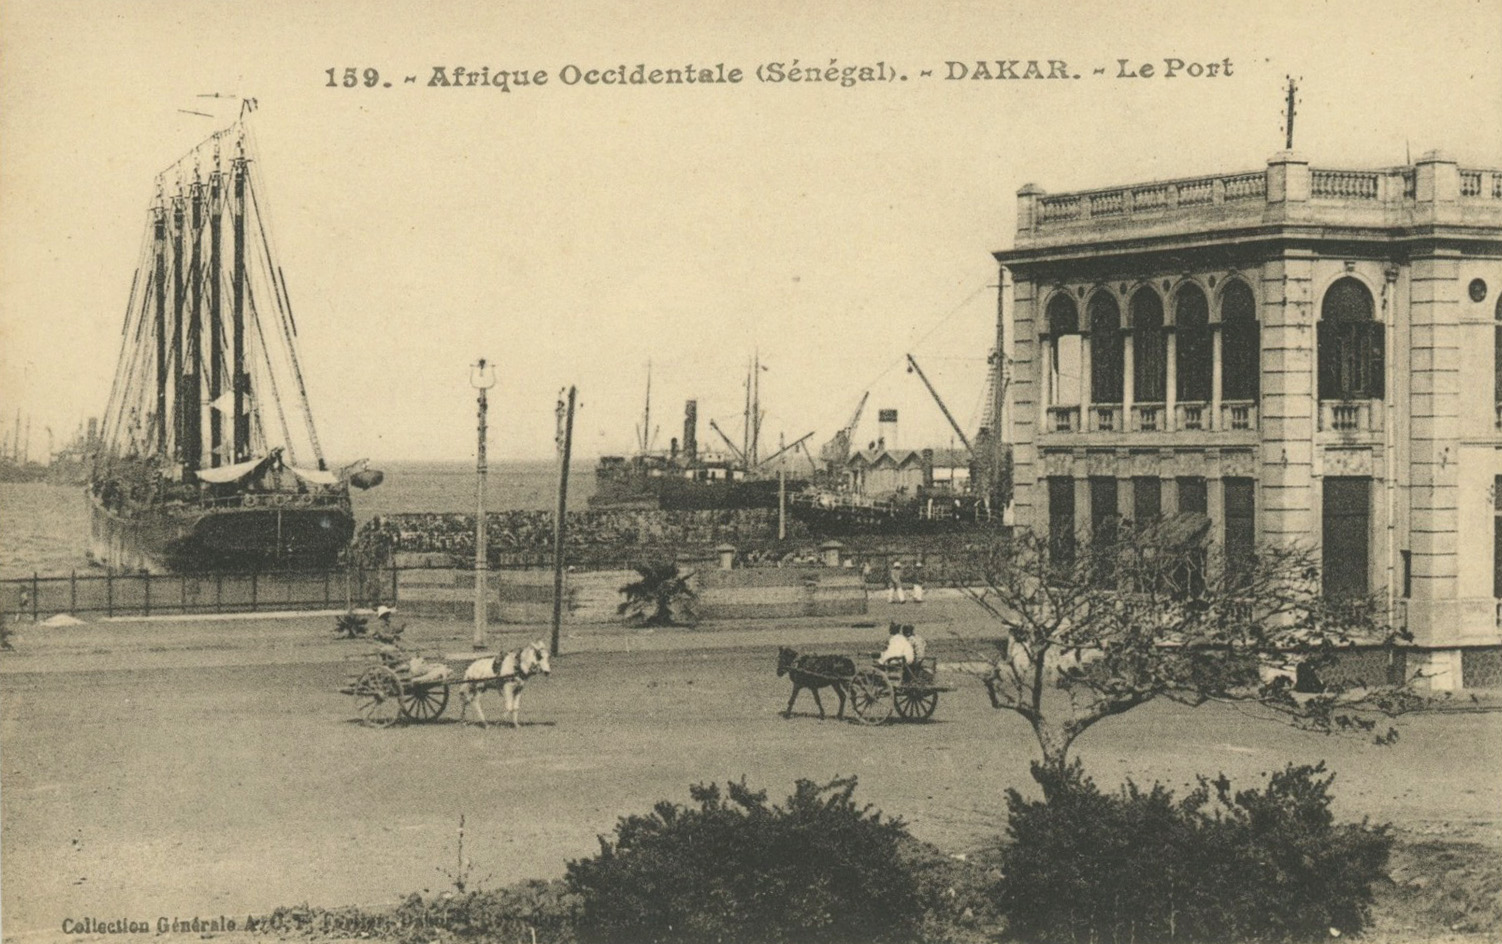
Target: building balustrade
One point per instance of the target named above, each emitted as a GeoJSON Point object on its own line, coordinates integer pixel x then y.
{"type": "Point", "coordinates": [1384, 187]}
{"type": "Point", "coordinates": [1238, 414]}
{"type": "Point", "coordinates": [1343, 184]}
{"type": "Point", "coordinates": [1147, 417]}
{"type": "Point", "coordinates": [1192, 415]}
{"type": "Point", "coordinates": [1105, 417]}
{"type": "Point", "coordinates": [1064, 419]}
{"type": "Point", "coordinates": [1350, 416]}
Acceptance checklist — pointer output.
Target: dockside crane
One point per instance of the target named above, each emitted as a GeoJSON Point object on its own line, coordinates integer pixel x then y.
{"type": "Point", "coordinates": [913, 368]}
{"type": "Point", "coordinates": [740, 456]}
{"type": "Point", "coordinates": [792, 445]}
{"type": "Point", "coordinates": [837, 449]}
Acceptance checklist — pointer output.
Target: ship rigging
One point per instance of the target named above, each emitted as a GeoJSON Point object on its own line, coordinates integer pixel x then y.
{"type": "Point", "coordinates": [200, 465]}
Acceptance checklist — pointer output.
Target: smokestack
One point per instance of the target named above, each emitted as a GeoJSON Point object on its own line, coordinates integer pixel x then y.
{"type": "Point", "coordinates": [887, 423]}
{"type": "Point", "coordinates": [691, 429]}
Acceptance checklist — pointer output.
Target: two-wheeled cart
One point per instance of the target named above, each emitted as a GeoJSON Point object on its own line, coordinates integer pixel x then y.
{"type": "Point", "coordinates": [910, 691]}
{"type": "Point", "coordinates": [388, 693]}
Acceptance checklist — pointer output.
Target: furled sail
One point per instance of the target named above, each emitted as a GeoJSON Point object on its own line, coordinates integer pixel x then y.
{"type": "Point", "coordinates": [219, 475]}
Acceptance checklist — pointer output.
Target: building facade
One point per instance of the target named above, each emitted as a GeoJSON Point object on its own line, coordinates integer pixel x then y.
{"type": "Point", "coordinates": [1301, 354]}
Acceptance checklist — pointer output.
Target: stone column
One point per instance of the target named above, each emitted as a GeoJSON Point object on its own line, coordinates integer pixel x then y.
{"type": "Point", "coordinates": [1029, 497]}
{"type": "Point", "coordinates": [1171, 385]}
{"type": "Point", "coordinates": [1215, 377]}
{"type": "Point", "coordinates": [1434, 445]}
{"type": "Point", "coordinates": [1289, 400]}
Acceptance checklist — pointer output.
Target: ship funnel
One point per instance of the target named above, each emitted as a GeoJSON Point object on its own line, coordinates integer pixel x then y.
{"type": "Point", "coordinates": [691, 429]}
{"type": "Point", "coordinates": [887, 424]}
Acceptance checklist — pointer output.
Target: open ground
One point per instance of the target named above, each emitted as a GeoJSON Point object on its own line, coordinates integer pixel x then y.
{"type": "Point", "coordinates": [208, 767]}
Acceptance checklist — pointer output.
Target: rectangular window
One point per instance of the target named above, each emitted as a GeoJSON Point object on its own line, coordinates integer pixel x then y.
{"type": "Point", "coordinates": [1193, 495]}
{"type": "Point", "coordinates": [1350, 360]}
{"type": "Point", "coordinates": [1061, 519]}
{"type": "Point", "coordinates": [1347, 535]}
{"type": "Point", "coordinates": [1103, 510]}
{"type": "Point", "coordinates": [1147, 500]}
{"type": "Point", "coordinates": [1497, 537]}
{"type": "Point", "coordinates": [1241, 520]}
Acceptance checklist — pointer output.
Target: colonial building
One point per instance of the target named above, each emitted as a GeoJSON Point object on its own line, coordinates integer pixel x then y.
{"type": "Point", "coordinates": [1301, 354]}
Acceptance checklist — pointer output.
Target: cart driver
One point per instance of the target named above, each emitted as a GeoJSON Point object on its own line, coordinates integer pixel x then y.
{"type": "Point", "coordinates": [396, 656]}
{"type": "Point", "coordinates": [898, 648]}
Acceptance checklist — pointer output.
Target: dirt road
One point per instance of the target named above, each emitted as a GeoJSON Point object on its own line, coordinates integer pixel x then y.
{"type": "Point", "coordinates": [171, 777]}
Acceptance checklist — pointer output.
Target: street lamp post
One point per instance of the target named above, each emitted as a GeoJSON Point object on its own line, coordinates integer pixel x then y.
{"type": "Point", "coordinates": [482, 378]}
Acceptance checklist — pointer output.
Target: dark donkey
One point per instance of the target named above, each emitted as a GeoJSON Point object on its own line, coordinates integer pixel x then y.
{"type": "Point", "coordinates": [813, 673]}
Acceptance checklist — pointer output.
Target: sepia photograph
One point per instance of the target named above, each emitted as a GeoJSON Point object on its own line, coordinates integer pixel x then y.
{"type": "Point", "coordinates": [1001, 471]}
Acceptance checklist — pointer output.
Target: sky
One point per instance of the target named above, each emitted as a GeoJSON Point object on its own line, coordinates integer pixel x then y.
{"type": "Point", "coordinates": [572, 234]}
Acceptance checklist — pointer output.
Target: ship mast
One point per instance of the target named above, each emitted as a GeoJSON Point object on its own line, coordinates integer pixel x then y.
{"type": "Point", "coordinates": [159, 270]}
{"type": "Point", "coordinates": [179, 387]}
{"type": "Point", "coordinates": [191, 436]}
{"type": "Point", "coordinates": [216, 323]}
{"type": "Point", "coordinates": [239, 377]}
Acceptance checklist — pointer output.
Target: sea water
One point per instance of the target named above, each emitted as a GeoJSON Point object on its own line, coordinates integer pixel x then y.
{"type": "Point", "coordinates": [44, 528]}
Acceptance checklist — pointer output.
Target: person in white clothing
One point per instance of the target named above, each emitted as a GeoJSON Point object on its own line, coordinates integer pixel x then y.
{"type": "Point", "coordinates": [920, 646]}
{"type": "Point", "coordinates": [898, 648]}
{"type": "Point", "coordinates": [894, 583]}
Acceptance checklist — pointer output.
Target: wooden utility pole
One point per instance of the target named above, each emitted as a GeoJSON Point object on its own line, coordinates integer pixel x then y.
{"type": "Point", "coordinates": [565, 452]}
{"type": "Point", "coordinates": [481, 382]}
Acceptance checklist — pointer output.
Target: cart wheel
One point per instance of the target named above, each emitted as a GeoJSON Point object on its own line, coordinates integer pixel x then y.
{"type": "Point", "coordinates": [871, 695]}
{"type": "Point", "coordinates": [380, 694]}
{"type": "Point", "coordinates": [917, 704]}
{"type": "Point", "coordinates": [425, 702]}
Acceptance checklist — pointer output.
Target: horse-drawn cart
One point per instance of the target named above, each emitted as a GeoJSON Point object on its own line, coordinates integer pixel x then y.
{"type": "Point", "coordinates": [398, 684]}
{"type": "Point", "coordinates": [909, 691]}
{"type": "Point", "coordinates": [388, 694]}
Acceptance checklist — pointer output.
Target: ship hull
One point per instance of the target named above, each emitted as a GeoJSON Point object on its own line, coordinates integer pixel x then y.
{"type": "Point", "coordinates": [674, 493]}
{"type": "Point", "coordinates": [835, 519]}
{"type": "Point", "coordinates": [185, 538]}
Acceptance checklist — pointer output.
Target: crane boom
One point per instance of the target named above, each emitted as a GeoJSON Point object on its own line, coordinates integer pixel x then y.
{"type": "Point", "coordinates": [913, 365]}
{"type": "Point", "coordinates": [793, 445]}
{"type": "Point", "coordinates": [733, 451]}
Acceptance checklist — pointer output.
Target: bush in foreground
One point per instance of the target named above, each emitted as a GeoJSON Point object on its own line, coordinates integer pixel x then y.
{"type": "Point", "coordinates": [1257, 865]}
{"type": "Point", "coordinates": [735, 869]}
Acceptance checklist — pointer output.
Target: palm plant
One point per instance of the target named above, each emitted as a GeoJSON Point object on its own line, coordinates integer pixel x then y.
{"type": "Point", "coordinates": [662, 597]}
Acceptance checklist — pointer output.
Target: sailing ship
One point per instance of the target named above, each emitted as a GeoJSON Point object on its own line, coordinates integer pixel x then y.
{"type": "Point", "coordinates": [688, 477]}
{"type": "Point", "coordinates": [199, 466]}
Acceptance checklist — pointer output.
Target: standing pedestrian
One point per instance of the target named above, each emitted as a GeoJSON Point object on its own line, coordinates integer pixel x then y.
{"type": "Point", "coordinates": [894, 583]}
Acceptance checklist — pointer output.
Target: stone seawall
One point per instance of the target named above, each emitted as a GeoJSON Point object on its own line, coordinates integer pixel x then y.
{"type": "Point", "coordinates": [526, 596]}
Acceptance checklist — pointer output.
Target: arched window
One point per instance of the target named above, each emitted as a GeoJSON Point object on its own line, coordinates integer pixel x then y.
{"type": "Point", "coordinates": [1193, 360]}
{"type": "Point", "coordinates": [1350, 343]}
{"type": "Point", "coordinates": [1064, 338]}
{"type": "Point", "coordinates": [1240, 343]}
{"type": "Point", "coordinates": [1149, 350]}
{"type": "Point", "coordinates": [1105, 349]}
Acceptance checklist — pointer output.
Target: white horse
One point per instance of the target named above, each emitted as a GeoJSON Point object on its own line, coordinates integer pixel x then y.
{"type": "Point", "coordinates": [506, 673]}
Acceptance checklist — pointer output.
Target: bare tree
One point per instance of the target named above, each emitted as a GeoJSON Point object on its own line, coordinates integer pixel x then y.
{"type": "Point", "coordinates": [1095, 629]}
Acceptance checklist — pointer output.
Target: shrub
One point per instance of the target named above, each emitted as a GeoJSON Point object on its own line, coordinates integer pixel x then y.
{"type": "Point", "coordinates": [661, 597]}
{"type": "Point", "coordinates": [734, 869]}
{"type": "Point", "coordinates": [1257, 865]}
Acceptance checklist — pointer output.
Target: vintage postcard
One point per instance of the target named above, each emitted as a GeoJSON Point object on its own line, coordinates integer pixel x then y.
{"type": "Point", "coordinates": [908, 399]}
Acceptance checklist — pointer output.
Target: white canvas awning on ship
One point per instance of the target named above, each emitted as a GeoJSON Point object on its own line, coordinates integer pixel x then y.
{"type": "Point", "coordinates": [315, 476]}
{"type": "Point", "coordinates": [219, 475]}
